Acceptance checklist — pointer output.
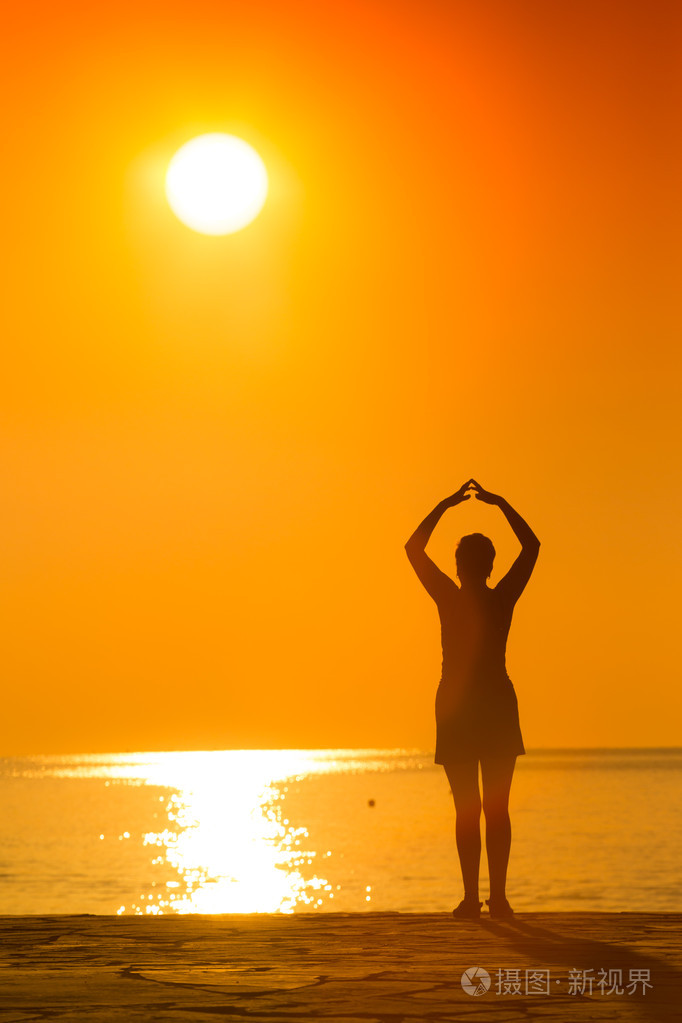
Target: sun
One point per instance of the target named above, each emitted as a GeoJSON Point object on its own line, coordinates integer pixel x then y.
{"type": "Point", "coordinates": [216, 183]}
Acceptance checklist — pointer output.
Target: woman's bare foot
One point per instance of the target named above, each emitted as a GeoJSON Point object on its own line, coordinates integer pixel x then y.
{"type": "Point", "coordinates": [499, 908]}
{"type": "Point", "coordinates": [468, 909]}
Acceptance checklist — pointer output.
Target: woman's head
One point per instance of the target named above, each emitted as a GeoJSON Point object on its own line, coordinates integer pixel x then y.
{"type": "Point", "coordinates": [474, 556]}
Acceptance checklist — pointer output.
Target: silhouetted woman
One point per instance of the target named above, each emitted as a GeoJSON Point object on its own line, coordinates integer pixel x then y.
{"type": "Point", "coordinates": [477, 717]}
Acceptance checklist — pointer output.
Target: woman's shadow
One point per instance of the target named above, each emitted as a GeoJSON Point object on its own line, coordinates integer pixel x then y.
{"type": "Point", "coordinates": [549, 948]}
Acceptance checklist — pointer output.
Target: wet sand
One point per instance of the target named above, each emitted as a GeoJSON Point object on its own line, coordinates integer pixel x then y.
{"type": "Point", "coordinates": [365, 967]}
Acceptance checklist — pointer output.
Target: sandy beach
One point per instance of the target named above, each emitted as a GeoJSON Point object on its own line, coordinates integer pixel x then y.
{"type": "Point", "coordinates": [367, 967]}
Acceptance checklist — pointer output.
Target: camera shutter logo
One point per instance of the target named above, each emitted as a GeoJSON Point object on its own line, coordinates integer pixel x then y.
{"type": "Point", "coordinates": [475, 980]}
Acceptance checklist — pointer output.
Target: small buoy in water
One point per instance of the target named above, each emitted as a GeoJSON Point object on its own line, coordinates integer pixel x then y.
{"type": "Point", "coordinates": [370, 802]}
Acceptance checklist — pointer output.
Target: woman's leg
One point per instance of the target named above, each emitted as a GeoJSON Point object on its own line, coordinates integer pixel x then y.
{"type": "Point", "coordinates": [463, 778]}
{"type": "Point", "coordinates": [496, 774]}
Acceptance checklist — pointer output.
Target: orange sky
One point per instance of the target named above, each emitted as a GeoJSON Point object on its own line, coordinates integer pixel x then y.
{"type": "Point", "coordinates": [214, 449]}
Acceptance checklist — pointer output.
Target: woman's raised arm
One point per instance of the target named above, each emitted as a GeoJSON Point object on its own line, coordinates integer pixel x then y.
{"type": "Point", "coordinates": [520, 572]}
{"type": "Point", "coordinates": [431, 577]}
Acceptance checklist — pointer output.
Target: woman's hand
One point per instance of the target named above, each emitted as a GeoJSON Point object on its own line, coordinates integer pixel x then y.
{"type": "Point", "coordinates": [485, 495]}
{"type": "Point", "coordinates": [463, 494]}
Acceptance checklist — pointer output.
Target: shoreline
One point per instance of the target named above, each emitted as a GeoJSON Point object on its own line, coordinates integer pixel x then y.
{"type": "Point", "coordinates": [370, 966]}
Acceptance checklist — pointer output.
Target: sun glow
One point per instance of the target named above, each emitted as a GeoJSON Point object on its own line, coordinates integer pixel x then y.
{"type": "Point", "coordinates": [216, 184]}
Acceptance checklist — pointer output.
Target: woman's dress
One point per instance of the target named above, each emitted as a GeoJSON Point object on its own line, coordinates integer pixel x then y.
{"type": "Point", "coordinates": [476, 708]}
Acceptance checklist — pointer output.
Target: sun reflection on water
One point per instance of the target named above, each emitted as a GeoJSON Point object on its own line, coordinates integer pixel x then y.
{"type": "Point", "coordinates": [227, 840]}
{"type": "Point", "coordinates": [232, 852]}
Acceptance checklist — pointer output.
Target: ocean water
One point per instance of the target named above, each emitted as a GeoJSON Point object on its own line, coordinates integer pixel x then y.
{"type": "Point", "coordinates": [329, 830]}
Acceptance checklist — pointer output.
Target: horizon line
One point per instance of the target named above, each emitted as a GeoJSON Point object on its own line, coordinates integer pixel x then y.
{"type": "Point", "coordinates": [406, 750]}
